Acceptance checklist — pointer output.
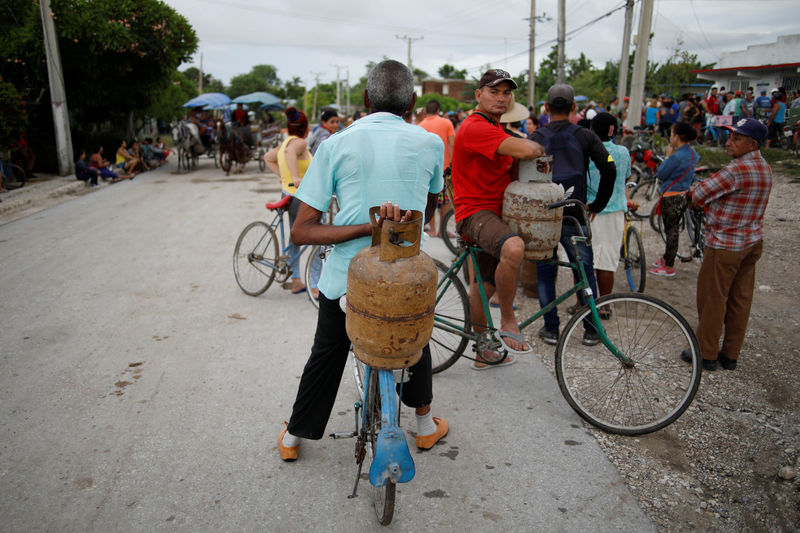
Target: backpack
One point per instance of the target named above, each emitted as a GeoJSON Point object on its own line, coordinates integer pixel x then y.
{"type": "Point", "coordinates": [569, 163]}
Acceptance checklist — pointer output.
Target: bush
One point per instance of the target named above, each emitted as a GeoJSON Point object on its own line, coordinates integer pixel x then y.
{"type": "Point", "coordinates": [13, 118]}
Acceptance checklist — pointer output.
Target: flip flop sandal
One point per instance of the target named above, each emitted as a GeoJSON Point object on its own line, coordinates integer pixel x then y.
{"type": "Point", "coordinates": [517, 337]}
{"type": "Point", "coordinates": [572, 309]}
{"type": "Point", "coordinates": [508, 361]}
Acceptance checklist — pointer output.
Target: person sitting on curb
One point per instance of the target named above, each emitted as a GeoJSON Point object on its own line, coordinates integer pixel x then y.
{"type": "Point", "coordinates": [126, 162]}
{"type": "Point", "coordinates": [84, 172]}
{"type": "Point", "coordinates": [97, 162]}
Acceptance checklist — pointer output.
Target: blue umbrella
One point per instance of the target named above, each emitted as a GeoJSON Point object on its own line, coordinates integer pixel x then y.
{"type": "Point", "coordinates": [580, 98]}
{"type": "Point", "coordinates": [209, 99]}
{"type": "Point", "coordinates": [272, 107]}
{"type": "Point", "coordinates": [260, 97]}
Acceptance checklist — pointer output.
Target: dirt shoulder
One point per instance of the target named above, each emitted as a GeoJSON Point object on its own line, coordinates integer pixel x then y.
{"type": "Point", "coordinates": [717, 467]}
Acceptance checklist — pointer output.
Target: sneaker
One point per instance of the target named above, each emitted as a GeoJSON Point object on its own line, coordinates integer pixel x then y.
{"type": "Point", "coordinates": [590, 338]}
{"type": "Point", "coordinates": [709, 365]}
{"type": "Point", "coordinates": [663, 270]}
{"type": "Point", "coordinates": [548, 336]}
{"type": "Point", "coordinates": [686, 356]}
{"type": "Point", "coordinates": [426, 442]}
{"type": "Point", "coordinates": [726, 362]}
{"type": "Point", "coordinates": [658, 262]}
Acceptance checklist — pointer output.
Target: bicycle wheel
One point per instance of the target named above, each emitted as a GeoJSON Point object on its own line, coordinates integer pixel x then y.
{"type": "Point", "coordinates": [449, 235]}
{"type": "Point", "coordinates": [383, 497]}
{"type": "Point", "coordinates": [225, 161]}
{"type": "Point", "coordinates": [634, 259]}
{"type": "Point", "coordinates": [646, 193]}
{"type": "Point", "coordinates": [452, 312]}
{"type": "Point", "coordinates": [13, 176]}
{"type": "Point", "coordinates": [657, 223]}
{"type": "Point", "coordinates": [644, 396]}
{"type": "Point", "coordinates": [695, 227]}
{"type": "Point", "coordinates": [255, 257]}
{"type": "Point", "coordinates": [314, 264]}
{"type": "Point", "coordinates": [262, 165]}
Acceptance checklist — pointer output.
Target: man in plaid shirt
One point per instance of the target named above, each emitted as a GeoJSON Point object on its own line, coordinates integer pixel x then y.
{"type": "Point", "coordinates": [735, 200]}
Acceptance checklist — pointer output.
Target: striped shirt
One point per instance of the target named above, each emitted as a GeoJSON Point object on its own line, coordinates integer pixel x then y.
{"type": "Point", "coordinates": [735, 199]}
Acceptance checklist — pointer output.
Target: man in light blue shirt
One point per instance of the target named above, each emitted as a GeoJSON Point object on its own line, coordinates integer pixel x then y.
{"type": "Point", "coordinates": [609, 224]}
{"type": "Point", "coordinates": [379, 160]}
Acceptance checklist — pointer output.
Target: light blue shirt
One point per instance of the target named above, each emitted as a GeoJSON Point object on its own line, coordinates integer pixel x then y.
{"type": "Point", "coordinates": [622, 160]}
{"type": "Point", "coordinates": [379, 158]}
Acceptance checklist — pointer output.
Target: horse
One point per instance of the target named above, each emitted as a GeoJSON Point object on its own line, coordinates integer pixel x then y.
{"type": "Point", "coordinates": [234, 147]}
{"type": "Point", "coordinates": [187, 143]}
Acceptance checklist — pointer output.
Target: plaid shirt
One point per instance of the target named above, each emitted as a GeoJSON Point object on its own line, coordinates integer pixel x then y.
{"type": "Point", "coordinates": [735, 199]}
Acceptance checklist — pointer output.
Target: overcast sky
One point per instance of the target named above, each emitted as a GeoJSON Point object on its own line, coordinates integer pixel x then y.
{"type": "Point", "coordinates": [302, 37]}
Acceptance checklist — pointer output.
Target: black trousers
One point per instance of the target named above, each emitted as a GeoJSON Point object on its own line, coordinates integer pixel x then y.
{"type": "Point", "coordinates": [323, 373]}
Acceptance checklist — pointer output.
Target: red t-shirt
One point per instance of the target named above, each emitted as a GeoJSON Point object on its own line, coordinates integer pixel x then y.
{"type": "Point", "coordinates": [713, 104]}
{"type": "Point", "coordinates": [480, 174]}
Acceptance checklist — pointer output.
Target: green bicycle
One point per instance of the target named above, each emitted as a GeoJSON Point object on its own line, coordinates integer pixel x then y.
{"type": "Point", "coordinates": [633, 382]}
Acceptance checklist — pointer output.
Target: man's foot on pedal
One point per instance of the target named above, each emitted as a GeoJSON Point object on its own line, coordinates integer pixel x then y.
{"type": "Point", "coordinates": [548, 336]}
{"type": "Point", "coordinates": [288, 453]}
{"type": "Point", "coordinates": [492, 358]}
{"type": "Point", "coordinates": [426, 442]}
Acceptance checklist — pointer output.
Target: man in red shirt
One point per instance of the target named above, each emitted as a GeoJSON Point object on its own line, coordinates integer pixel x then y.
{"type": "Point", "coordinates": [712, 102]}
{"type": "Point", "coordinates": [735, 199]}
{"type": "Point", "coordinates": [444, 129]}
{"type": "Point", "coordinates": [483, 166]}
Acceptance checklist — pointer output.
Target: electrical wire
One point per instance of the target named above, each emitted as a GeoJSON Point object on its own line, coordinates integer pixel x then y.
{"type": "Point", "coordinates": [691, 3]}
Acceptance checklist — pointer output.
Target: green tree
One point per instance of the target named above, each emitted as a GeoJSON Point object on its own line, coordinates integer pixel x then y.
{"type": "Point", "coordinates": [210, 83]}
{"type": "Point", "coordinates": [449, 72]}
{"type": "Point", "coordinates": [260, 78]}
{"type": "Point", "coordinates": [169, 104]}
{"type": "Point", "coordinates": [447, 103]}
{"type": "Point", "coordinates": [13, 117]}
{"type": "Point", "coordinates": [118, 57]}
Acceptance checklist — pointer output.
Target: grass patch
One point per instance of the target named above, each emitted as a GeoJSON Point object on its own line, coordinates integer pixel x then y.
{"type": "Point", "coordinates": [781, 161]}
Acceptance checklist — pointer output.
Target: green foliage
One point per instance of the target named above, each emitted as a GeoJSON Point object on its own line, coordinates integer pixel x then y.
{"type": "Point", "coordinates": [449, 72]}
{"type": "Point", "coordinates": [210, 83]}
{"type": "Point", "coordinates": [447, 103]}
{"type": "Point", "coordinates": [169, 104]}
{"type": "Point", "coordinates": [118, 58]}
{"type": "Point", "coordinates": [13, 118]}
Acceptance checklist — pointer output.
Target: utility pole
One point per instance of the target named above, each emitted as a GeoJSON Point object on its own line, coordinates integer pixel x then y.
{"type": "Point", "coordinates": [58, 97]}
{"type": "Point", "coordinates": [200, 77]}
{"type": "Point", "coordinates": [562, 30]}
{"type": "Point", "coordinates": [348, 91]}
{"type": "Point", "coordinates": [316, 91]}
{"type": "Point", "coordinates": [409, 39]}
{"type": "Point", "coordinates": [531, 63]}
{"type": "Point", "coordinates": [640, 65]}
{"type": "Point", "coordinates": [338, 86]}
{"type": "Point", "coordinates": [622, 83]}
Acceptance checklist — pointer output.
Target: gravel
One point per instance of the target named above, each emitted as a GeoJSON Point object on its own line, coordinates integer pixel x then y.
{"type": "Point", "coordinates": [730, 463]}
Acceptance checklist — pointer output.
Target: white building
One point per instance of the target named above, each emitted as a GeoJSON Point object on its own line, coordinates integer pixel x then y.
{"type": "Point", "coordinates": [761, 66]}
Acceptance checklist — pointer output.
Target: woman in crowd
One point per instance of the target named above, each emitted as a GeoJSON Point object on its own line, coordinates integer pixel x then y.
{"type": "Point", "coordinates": [328, 125]}
{"type": "Point", "coordinates": [675, 176]}
{"type": "Point", "coordinates": [126, 162]}
{"type": "Point", "coordinates": [290, 161]}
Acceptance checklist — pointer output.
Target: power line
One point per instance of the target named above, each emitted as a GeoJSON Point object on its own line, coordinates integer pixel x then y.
{"type": "Point", "coordinates": [691, 3]}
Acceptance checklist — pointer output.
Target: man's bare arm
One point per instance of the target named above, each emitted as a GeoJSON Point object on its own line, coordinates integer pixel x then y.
{"type": "Point", "coordinates": [308, 229]}
{"type": "Point", "coordinates": [520, 148]}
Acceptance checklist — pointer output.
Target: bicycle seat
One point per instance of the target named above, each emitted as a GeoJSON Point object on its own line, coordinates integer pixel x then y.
{"type": "Point", "coordinates": [280, 204]}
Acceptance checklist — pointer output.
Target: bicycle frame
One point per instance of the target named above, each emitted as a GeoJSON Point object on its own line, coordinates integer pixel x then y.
{"type": "Point", "coordinates": [277, 223]}
{"type": "Point", "coordinates": [392, 461]}
{"type": "Point", "coordinates": [470, 253]}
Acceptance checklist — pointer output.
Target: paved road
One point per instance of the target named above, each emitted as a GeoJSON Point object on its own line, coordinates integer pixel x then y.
{"type": "Point", "coordinates": [141, 390]}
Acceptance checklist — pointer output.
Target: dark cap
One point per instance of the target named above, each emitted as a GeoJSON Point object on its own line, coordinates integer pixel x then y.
{"type": "Point", "coordinates": [562, 91]}
{"type": "Point", "coordinates": [494, 77]}
{"type": "Point", "coordinates": [751, 128]}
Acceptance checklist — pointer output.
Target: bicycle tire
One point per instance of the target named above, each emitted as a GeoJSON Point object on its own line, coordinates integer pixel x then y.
{"type": "Point", "coordinates": [225, 161]}
{"type": "Point", "coordinates": [646, 194]}
{"type": "Point", "coordinates": [697, 235]}
{"type": "Point", "coordinates": [452, 310]}
{"type": "Point", "coordinates": [262, 165]}
{"type": "Point", "coordinates": [320, 251]}
{"type": "Point", "coordinates": [448, 228]}
{"type": "Point", "coordinates": [256, 243]}
{"type": "Point", "coordinates": [642, 398]}
{"type": "Point", "coordinates": [635, 261]}
{"type": "Point", "coordinates": [657, 223]}
{"type": "Point", "coordinates": [13, 176]}
{"type": "Point", "coordinates": [383, 497]}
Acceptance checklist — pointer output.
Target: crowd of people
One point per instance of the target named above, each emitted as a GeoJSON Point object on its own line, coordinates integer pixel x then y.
{"type": "Point", "coordinates": [128, 161]}
{"type": "Point", "coordinates": [481, 149]}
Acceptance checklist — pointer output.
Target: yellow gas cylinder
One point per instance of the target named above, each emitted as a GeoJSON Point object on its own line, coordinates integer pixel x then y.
{"type": "Point", "coordinates": [391, 295]}
{"type": "Point", "coordinates": [525, 208]}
